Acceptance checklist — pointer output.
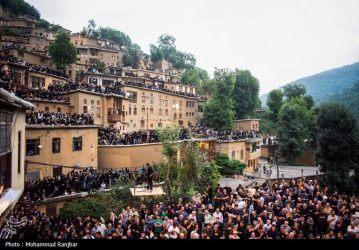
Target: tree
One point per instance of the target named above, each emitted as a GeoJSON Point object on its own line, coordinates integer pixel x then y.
{"type": "Point", "coordinates": [90, 31]}
{"type": "Point", "coordinates": [100, 66]}
{"type": "Point", "coordinates": [218, 113]}
{"type": "Point", "coordinates": [156, 53]}
{"type": "Point", "coordinates": [245, 94]}
{"type": "Point", "coordinates": [294, 90]}
{"type": "Point", "coordinates": [195, 77]}
{"type": "Point", "coordinates": [62, 51]}
{"type": "Point", "coordinates": [274, 102]}
{"type": "Point", "coordinates": [169, 137]}
{"type": "Point", "coordinates": [293, 128]}
{"type": "Point", "coordinates": [338, 147]}
{"type": "Point", "coordinates": [166, 49]}
{"type": "Point", "coordinates": [309, 101]}
{"type": "Point", "coordinates": [20, 7]}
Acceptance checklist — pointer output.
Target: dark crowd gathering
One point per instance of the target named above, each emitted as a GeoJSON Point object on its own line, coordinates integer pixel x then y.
{"type": "Point", "coordinates": [113, 136]}
{"type": "Point", "coordinates": [59, 119]}
{"type": "Point", "coordinates": [88, 180]}
{"type": "Point", "coordinates": [156, 87]}
{"type": "Point", "coordinates": [298, 209]}
{"type": "Point", "coordinates": [33, 67]}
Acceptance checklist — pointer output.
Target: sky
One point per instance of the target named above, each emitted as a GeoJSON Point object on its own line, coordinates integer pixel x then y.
{"type": "Point", "coordinates": [279, 41]}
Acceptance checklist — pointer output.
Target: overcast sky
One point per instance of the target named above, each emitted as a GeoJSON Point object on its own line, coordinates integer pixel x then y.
{"type": "Point", "coordinates": [278, 41]}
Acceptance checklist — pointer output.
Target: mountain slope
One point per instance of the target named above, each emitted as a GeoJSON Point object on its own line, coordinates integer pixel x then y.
{"type": "Point", "coordinates": [324, 85]}
{"type": "Point", "coordinates": [350, 98]}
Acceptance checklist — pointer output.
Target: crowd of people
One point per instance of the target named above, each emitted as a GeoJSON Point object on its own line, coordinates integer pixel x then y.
{"type": "Point", "coordinates": [58, 119]}
{"type": "Point", "coordinates": [88, 180]}
{"type": "Point", "coordinates": [113, 136]}
{"type": "Point", "coordinates": [39, 94]}
{"type": "Point", "coordinates": [33, 67]}
{"type": "Point", "coordinates": [66, 88]}
{"type": "Point", "coordinates": [298, 209]}
{"type": "Point", "coordinates": [156, 88]}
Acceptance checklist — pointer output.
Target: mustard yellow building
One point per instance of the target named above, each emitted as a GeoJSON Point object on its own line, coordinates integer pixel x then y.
{"type": "Point", "coordinates": [56, 150]}
{"type": "Point", "coordinates": [247, 151]}
{"type": "Point", "coordinates": [247, 124]}
{"type": "Point", "coordinates": [12, 149]}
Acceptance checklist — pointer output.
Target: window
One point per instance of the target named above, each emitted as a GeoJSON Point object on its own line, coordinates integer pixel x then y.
{"type": "Point", "coordinates": [166, 112]}
{"type": "Point", "coordinates": [134, 111]}
{"type": "Point", "coordinates": [233, 155]}
{"type": "Point", "coordinates": [32, 147]}
{"type": "Point", "coordinates": [56, 144]}
{"type": "Point", "coordinates": [142, 123]}
{"type": "Point", "coordinates": [56, 171]}
{"type": "Point", "coordinates": [85, 109]}
{"type": "Point", "coordinates": [77, 144]}
{"type": "Point", "coordinates": [85, 101]}
{"type": "Point", "coordinates": [129, 110]}
{"type": "Point", "coordinates": [58, 110]}
{"type": "Point", "coordinates": [98, 103]}
{"type": "Point", "coordinates": [92, 102]}
{"type": "Point", "coordinates": [143, 99]}
{"type": "Point", "coordinates": [19, 152]}
{"type": "Point", "coordinates": [98, 112]}
{"type": "Point", "coordinates": [46, 109]}
{"type": "Point", "coordinates": [241, 154]}
{"type": "Point", "coordinates": [143, 108]}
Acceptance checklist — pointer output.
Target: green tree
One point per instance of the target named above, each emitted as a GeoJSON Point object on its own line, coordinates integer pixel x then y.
{"type": "Point", "coordinates": [245, 95]}
{"type": "Point", "coordinates": [274, 102]}
{"type": "Point", "coordinates": [156, 53]}
{"type": "Point", "coordinates": [338, 147]}
{"type": "Point", "coordinates": [209, 175]}
{"type": "Point", "coordinates": [195, 77]}
{"type": "Point", "coordinates": [166, 49]}
{"type": "Point", "coordinates": [309, 101]}
{"type": "Point", "coordinates": [62, 51]}
{"type": "Point", "coordinates": [20, 7]}
{"type": "Point", "coordinates": [218, 113]}
{"type": "Point", "coordinates": [169, 137]}
{"type": "Point", "coordinates": [294, 90]}
{"type": "Point", "coordinates": [100, 66]}
{"type": "Point", "coordinates": [293, 128]}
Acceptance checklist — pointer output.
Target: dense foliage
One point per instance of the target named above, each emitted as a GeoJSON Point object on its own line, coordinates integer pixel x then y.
{"type": "Point", "coordinates": [166, 49]}
{"type": "Point", "coordinates": [107, 33]}
{"type": "Point", "coordinates": [219, 111]}
{"type": "Point", "coordinates": [229, 167]}
{"type": "Point", "coordinates": [62, 51]}
{"type": "Point", "coordinates": [338, 147]}
{"type": "Point", "coordinates": [20, 7]}
{"type": "Point", "coordinates": [349, 98]}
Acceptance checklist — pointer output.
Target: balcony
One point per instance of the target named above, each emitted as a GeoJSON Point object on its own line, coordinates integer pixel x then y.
{"type": "Point", "coordinates": [115, 118]}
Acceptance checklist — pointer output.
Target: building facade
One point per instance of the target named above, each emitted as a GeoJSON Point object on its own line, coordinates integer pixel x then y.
{"type": "Point", "coordinates": [56, 150]}
{"type": "Point", "coordinates": [12, 149]}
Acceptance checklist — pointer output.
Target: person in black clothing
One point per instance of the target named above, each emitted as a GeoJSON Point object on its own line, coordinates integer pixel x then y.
{"type": "Point", "coordinates": [149, 176]}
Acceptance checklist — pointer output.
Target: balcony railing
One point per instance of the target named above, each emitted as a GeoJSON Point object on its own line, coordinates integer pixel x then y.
{"type": "Point", "coordinates": [115, 118]}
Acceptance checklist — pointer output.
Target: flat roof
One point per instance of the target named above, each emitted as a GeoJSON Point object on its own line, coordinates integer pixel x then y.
{"type": "Point", "coordinates": [242, 120]}
{"type": "Point", "coordinates": [39, 127]}
{"type": "Point", "coordinates": [13, 100]}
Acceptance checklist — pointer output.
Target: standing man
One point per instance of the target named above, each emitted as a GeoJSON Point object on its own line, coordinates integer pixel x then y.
{"type": "Point", "coordinates": [149, 176]}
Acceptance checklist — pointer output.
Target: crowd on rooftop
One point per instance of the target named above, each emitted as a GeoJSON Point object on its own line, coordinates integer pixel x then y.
{"type": "Point", "coordinates": [76, 181]}
{"type": "Point", "coordinates": [113, 136]}
{"type": "Point", "coordinates": [58, 119]}
{"type": "Point", "coordinates": [33, 67]}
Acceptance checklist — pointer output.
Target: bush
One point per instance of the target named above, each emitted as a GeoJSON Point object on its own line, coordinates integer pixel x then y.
{"type": "Point", "coordinates": [229, 167]}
